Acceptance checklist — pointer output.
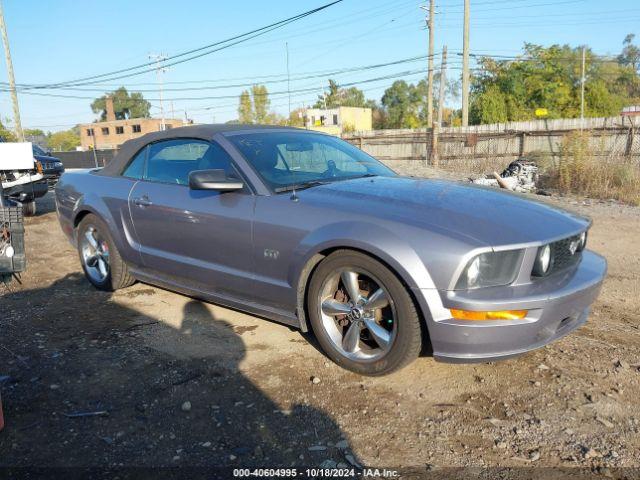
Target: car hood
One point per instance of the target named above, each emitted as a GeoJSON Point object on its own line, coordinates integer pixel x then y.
{"type": "Point", "coordinates": [46, 158]}
{"type": "Point", "coordinates": [489, 216]}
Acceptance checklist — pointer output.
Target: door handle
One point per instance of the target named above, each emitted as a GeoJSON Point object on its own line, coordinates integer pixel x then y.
{"type": "Point", "coordinates": [142, 201]}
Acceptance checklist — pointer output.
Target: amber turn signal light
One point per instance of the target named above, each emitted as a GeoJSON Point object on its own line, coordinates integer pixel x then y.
{"type": "Point", "coordinates": [497, 315]}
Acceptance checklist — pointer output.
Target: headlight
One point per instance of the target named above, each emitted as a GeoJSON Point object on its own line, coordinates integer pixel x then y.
{"type": "Point", "coordinates": [582, 242]}
{"type": "Point", "coordinates": [490, 269]}
{"type": "Point", "coordinates": [544, 259]}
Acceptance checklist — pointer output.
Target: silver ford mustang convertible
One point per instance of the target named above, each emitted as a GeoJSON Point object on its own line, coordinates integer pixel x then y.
{"type": "Point", "coordinates": [305, 229]}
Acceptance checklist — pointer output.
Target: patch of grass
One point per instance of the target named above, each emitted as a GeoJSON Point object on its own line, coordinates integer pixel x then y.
{"type": "Point", "coordinates": [578, 170]}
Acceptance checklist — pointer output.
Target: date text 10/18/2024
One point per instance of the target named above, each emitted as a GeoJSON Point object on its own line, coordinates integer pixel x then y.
{"type": "Point", "coordinates": [315, 473]}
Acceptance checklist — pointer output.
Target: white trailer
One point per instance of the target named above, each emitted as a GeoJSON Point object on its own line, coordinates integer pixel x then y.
{"type": "Point", "coordinates": [20, 178]}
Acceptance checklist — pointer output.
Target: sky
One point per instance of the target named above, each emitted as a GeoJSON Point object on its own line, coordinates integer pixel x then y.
{"type": "Point", "coordinates": [62, 40]}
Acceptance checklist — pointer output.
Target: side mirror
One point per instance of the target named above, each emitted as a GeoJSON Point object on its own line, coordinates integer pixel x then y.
{"type": "Point", "coordinates": [213, 180]}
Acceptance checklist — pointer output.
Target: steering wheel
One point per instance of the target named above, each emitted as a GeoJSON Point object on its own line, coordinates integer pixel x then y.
{"type": "Point", "coordinates": [331, 171]}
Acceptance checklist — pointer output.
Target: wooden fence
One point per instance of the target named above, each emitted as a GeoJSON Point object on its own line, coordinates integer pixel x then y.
{"type": "Point", "coordinates": [475, 147]}
{"type": "Point", "coordinates": [478, 145]}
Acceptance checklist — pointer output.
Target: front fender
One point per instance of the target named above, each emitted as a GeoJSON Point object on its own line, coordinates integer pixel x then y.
{"type": "Point", "coordinates": [378, 241]}
{"type": "Point", "coordinates": [373, 239]}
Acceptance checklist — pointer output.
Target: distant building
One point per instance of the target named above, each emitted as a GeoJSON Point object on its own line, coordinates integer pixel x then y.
{"type": "Point", "coordinates": [112, 133]}
{"type": "Point", "coordinates": [336, 121]}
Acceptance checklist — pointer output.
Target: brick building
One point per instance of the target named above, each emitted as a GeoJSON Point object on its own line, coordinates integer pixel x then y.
{"type": "Point", "coordinates": [112, 133]}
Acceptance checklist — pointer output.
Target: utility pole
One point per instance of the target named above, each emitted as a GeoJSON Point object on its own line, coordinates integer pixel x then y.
{"type": "Point", "coordinates": [286, 44]}
{"type": "Point", "coordinates": [582, 80]}
{"type": "Point", "coordinates": [429, 21]}
{"type": "Point", "coordinates": [438, 123]}
{"type": "Point", "coordinates": [12, 80]}
{"type": "Point", "coordinates": [465, 66]}
{"type": "Point", "coordinates": [160, 58]}
{"type": "Point", "coordinates": [443, 82]}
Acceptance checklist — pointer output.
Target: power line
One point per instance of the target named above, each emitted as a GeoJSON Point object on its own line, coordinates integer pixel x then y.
{"type": "Point", "coordinates": [176, 99]}
{"type": "Point", "coordinates": [302, 76]}
{"type": "Point", "coordinates": [232, 106]}
{"type": "Point", "coordinates": [203, 50]}
{"type": "Point", "coordinates": [511, 7]}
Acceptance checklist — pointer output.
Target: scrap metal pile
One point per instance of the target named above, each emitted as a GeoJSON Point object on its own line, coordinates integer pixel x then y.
{"type": "Point", "coordinates": [12, 254]}
{"type": "Point", "coordinates": [520, 176]}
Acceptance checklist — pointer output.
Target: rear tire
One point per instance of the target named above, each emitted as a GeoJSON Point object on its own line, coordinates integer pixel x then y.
{"type": "Point", "coordinates": [102, 264]}
{"type": "Point", "coordinates": [374, 334]}
{"type": "Point", "coordinates": [29, 208]}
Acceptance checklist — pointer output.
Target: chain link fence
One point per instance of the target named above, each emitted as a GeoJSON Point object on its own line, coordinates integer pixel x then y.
{"type": "Point", "coordinates": [485, 148]}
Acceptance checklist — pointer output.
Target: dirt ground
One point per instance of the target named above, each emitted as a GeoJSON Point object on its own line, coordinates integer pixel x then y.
{"type": "Point", "coordinates": [177, 382]}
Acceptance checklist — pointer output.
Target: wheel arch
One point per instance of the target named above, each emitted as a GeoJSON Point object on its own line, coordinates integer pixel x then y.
{"type": "Point", "coordinates": [79, 216]}
{"type": "Point", "coordinates": [103, 214]}
{"type": "Point", "coordinates": [414, 277]}
{"type": "Point", "coordinates": [315, 260]}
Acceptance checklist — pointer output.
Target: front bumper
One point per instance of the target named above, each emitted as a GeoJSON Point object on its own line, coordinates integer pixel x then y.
{"type": "Point", "coordinates": [557, 305]}
{"type": "Point", "coordinates": [27, 192]}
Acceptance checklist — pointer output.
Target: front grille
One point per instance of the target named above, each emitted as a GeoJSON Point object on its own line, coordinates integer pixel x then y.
{"type": "Point", "coordinates": [564, 253]}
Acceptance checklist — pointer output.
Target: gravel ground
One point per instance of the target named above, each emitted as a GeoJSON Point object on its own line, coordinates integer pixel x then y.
{"type": "Point", "coordinates": [170, 381]}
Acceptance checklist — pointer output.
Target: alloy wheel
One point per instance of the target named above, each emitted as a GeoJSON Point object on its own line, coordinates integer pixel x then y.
{"type": "Point", "coordinates": [95, 254]}
{"type": "Point", "coordinates": [358, 314]}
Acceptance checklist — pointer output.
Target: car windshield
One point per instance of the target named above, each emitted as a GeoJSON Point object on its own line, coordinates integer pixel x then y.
{"type": "Point", "coordinates": [38, 151]}
{"type": "Point", "coordinates": [287, 160]}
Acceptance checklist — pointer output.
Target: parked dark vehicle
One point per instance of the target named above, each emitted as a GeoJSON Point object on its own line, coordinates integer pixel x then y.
{"type": "Point", "coordinates": [304, 228]}
{"type": "Point", "coordinates": [52, 167]}
{"type": "Point", "coordinates": [24, 184]}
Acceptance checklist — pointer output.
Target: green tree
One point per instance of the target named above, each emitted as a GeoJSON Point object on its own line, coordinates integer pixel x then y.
{"type": "Point", "coordinates": [296, 119]}
{"type": "Point", "coordinates": [254, 106]}
{"type": "Point", "coordinates": [402, 103]}
{"type": "Point", "coordinates": [6, 134]}
{"type": "Point", "coordinates": [490, 107]}
{"type": "Point", "coordinates": [630, 53]}
{"type": "Point", "coordinates": [63, 141]}
{"type": "Point", "coordinates": [33, 132]}
{"type": "Point", "coordinates": [125, 105]}
{"type": "Point", "coordinates": [550, 77]}
{"type": "Point", "coordinates": [261, 103]}
{"type": "Point", "coordinates": [245, 109]}
{"type": "Point", "coordinates": [343, 97]}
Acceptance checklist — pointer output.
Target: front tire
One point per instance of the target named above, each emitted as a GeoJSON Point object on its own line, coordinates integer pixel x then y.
{"type": "Point", "coordinates": [29, 208]}
{"type": "Point", "coordinates": [362, 314]}
{"type": "Point", "coordinates": [102, 264]}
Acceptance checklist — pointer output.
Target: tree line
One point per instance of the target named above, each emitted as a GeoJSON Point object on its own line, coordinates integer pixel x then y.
{"type": "Point", "coordinates": [551, 78]}
{"type": "Point", "coordinates": [403, 104]}
{"type": "Point", "coordinates": [504, 90]}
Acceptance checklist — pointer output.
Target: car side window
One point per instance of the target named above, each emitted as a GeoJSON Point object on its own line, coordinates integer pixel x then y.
{"type": "Point", "coordinates": [217, 158]}
{"type": "Point", "coordinates": [135, 169]}
{"type": "Point", "coordinates": [171, 161]}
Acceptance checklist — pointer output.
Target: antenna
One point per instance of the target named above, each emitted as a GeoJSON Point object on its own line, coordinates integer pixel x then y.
{"type": "Point", "coordinates": [288, 82]}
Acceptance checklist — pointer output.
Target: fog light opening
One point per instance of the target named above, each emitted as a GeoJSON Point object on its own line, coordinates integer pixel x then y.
{"type": "Point", "coordinates": [491, 315]}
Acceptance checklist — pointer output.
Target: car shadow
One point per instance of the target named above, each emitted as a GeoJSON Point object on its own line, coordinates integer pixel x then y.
{"type": "Point", "coordinates": [82, 388]}
{"type": "Point", "coordinates": [45, 204]}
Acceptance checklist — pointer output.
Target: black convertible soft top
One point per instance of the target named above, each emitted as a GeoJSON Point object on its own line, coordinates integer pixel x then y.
{"type": "Point", "coordinates": [202, 132]}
